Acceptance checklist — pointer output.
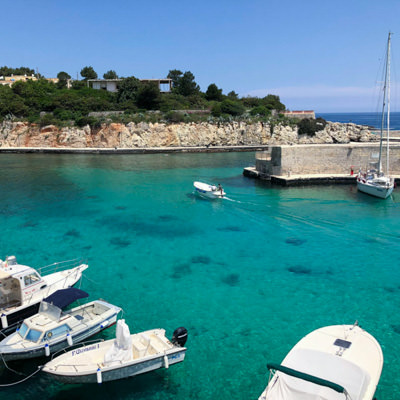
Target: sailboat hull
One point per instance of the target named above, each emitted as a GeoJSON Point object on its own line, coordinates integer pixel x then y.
{"type": "Point", "coordinates": [375, 190]}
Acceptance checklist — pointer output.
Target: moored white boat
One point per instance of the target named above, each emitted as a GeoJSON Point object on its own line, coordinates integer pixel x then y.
{"type": "Point", "coordinates": [375, 182]}
{"type": "Point", "coordinates": [374, 185]}
{"type": "Point", "coordinates": [126, 356]}
{"type": "Point", "coordinates": [341, 362]}
{"type": "Point", "coordinates": [209, 191]}
{"type": "Point", "coordinates": [51, 329]}
{"type": "Point", "coordinates": [22, 288]}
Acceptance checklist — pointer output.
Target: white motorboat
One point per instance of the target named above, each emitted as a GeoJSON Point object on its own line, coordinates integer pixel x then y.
{"type": "Point", "coordinates": [22, 288]}
{"type": "Point", "coordinates": [52, 329]}
{"type": "Point", "coordinates": [376, 182]}
{"type": "Point", "coordinates": [123, 357]}
{"type": "Point", "coordinates": [341, 362]}
{"type": "Point", "coordinates": [209, 191]}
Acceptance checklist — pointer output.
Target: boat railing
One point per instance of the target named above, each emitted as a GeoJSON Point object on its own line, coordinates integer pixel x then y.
{"type": "Point", "coordinates": [62, 283]}
{"type": "Point", "coordinates": [61, 265]}
{"type": "Point", "coordinates": [76, 346]}
{"type": "Point", "coordinates": [13, 327]}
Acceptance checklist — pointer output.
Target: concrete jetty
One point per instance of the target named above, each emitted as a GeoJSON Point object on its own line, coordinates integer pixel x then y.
{"type": "Point", "coordinates": [320, 164]}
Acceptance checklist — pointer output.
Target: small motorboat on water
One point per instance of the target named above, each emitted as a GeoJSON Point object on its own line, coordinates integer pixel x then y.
{"type": "Point", "coordinates": [209, 191]}
{"type": "Point", "coordinates": [52, 329]}
{"type": "Point", "coordinates": [341, 362]}
{"type": "Point", "coordinates": [123, 357]}
{"type": "Point", "coordinates": [22, 288]}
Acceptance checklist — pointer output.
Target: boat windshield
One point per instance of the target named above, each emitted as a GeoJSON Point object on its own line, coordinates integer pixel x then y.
{"type": "Point", "coordinates": [22, 330]}
{"type": "Point", "coordinates": [33, 335]}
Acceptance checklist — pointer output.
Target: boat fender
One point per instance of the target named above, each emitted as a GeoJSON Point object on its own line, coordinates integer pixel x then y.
{"type": "Point", "coordinates": [4, 321]}
{"type": "Point", "coordinates": [104, 324]}
{"type": "Point", "coordinates": [99, 377]}
{"type": "Point", "coordinates": [179, 336]}
{"type": "Point", "coordinates": [166, 363]}
{"type": "Point", "coordinates": [69, 339]}
{"type": "Point", "coordinates": [46, 350]}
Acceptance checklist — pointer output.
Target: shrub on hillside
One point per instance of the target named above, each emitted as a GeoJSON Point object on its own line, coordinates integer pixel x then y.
{"type": "Point", "coordinates": [309, 127]}
{"type": "Point", "coordinates": [232, 107]}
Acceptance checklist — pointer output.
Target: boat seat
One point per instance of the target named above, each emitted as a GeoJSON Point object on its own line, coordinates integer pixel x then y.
{"type": "Point", "coordinates": [158, 345]}
{"type": "Point", "coordinates": [140, 346]}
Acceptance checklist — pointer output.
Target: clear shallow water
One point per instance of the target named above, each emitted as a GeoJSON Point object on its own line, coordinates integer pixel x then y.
{"type": "Point", "coordinates": [373, 119]}
{"type": "Point", "coordinates": [248, 277]}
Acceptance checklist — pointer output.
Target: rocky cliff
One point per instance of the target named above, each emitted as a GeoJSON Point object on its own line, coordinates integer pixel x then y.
{"type": "Point", "coordinates": [143, 135]}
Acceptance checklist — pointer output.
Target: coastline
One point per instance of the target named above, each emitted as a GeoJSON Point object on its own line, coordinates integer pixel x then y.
{"type": "Point", "coordinates": [136, 150]}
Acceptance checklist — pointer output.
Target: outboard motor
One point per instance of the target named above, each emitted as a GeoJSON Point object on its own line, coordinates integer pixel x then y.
{"type": "Point", "coordinates": [180, 336]}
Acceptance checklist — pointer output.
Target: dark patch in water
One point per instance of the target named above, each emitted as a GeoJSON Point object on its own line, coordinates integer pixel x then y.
{"type": "Point", "coordinates": [300, 270]}
{"type": "Point", "coordinates": [29, 224]}
{"type": "Point", "coordinates": [181, 270]}
{"type": "Point", "coordinates": [120, 208]}
{"type": "Point", "coordinates": [370, 240]}
{"type": "Point", "coordinates": [86, 247]}
{"type": "Point", "coordinates": [295, 241]}
{"type": "Point", "coordinates": [391, 289]}
{"type": "Point", "coordinates": [231, 279]}
{"type": "Point", "coordinates": [231, 229]}
{"type": "Point", "coordinates": [167, 218]}
{"type": "Point", "coordinates": [133, 224]}
{"type": "Point", "coordinates": [72, 233]}
{"type": "Point", "coordinates": [201, 260]}
{"type": "Point", "coordinates": [119, 242]}
{"type": "Point", "coordinates": [396, 328]}
{"type": "Point", "coordinates": [92, 197]}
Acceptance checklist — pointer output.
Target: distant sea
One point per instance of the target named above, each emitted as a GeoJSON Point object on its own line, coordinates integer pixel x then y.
{"type": "Point", "coordinates": [372, 119]}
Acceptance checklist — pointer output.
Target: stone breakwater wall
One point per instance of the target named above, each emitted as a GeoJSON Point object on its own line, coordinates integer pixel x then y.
{"type": "Point", "coordinates": [147, 135]}
{"type": "Point", "coordinates": [323, 159]}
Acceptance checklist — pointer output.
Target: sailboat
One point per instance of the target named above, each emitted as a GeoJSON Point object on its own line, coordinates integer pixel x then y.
{"type": "Point", "coordinates": [374, 182]}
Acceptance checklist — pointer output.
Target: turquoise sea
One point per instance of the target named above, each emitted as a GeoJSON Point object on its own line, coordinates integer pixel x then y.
{"type": "Point", "coordinates": [248, 276]}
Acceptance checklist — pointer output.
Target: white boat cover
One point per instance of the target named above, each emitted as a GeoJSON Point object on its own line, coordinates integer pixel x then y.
{"type": "Point", "coordinates": [121, 349]}
{"type": "Point", "coordinates": [322, 365]}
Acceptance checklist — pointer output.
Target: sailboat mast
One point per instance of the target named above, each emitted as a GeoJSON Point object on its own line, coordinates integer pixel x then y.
{"type": "Point", "coordinates": [385, 94]}
{"type": "Point", "coordinates": [388, 109]}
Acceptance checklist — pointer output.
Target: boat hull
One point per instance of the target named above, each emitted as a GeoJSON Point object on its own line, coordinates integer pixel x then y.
{"type": "Point", "coordinates": [56, 345]}
{"type": "Point", "coordinates": [16, 315]}
{"type": "Point", "coordinates": [208, 191]}
{"type": "Point", "coordinates": [344, 356]}
{"type": "Point", "coordinates": [372, 190]}
{"type": "Point", "coordinates": [118, 372]}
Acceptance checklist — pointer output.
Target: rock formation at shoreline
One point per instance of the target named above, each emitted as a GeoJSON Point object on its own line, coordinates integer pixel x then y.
{"type": "Point", "coordinates": [144, 135]}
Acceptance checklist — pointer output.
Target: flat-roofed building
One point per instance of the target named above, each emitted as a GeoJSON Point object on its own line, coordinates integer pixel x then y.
{"type": "Point", "coordinates": [300, 114]}
{"type": "Point", "coordinates": [111, 85]}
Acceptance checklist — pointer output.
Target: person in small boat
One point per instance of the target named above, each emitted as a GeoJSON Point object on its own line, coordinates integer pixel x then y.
{"type": "Point", "coordinates": [220, 188]}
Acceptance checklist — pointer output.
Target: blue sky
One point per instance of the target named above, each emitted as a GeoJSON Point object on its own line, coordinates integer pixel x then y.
{"type": "Point", "coordinates": [321, 55]}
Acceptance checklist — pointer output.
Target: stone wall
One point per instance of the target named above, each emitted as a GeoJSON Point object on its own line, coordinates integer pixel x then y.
{"type": "Point", "coordinates": [144, 135]}
{"type": "Point", "coordinates": [324, 159]}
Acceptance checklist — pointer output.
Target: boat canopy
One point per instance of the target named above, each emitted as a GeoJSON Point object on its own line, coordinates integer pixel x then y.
{"type": "Point", "coordinates": [64, 297]}
{"type": "Point", "coordinates": [306, 377]}
{"type": "Point", "coordinates": [317, 375]}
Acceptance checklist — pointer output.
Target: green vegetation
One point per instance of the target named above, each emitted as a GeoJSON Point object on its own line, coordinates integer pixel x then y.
{"type": "Point", "coordinates": [44, 102]}
{"type": "Point", "coordinates": [310, 126]}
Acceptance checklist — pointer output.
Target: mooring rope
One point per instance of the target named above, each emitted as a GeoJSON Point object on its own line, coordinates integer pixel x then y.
{"type": "Point", "coordinates": [22, 380]}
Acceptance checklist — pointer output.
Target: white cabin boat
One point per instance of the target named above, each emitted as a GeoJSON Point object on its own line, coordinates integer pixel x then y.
{"type": "Point", "coordinates": [126, 356]}
{"type": "Point", "coordinates": [341, 362]}
{"type": "Point", "coordinates": [209, 191]}
{"type": "Point", "coordinates": [22, 288]}
{"type": "Point", "coordinates": [52, 329]}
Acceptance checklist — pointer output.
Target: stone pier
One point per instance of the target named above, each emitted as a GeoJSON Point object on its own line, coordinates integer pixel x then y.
{"type": "Point", "coordinates": [320, 163]}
